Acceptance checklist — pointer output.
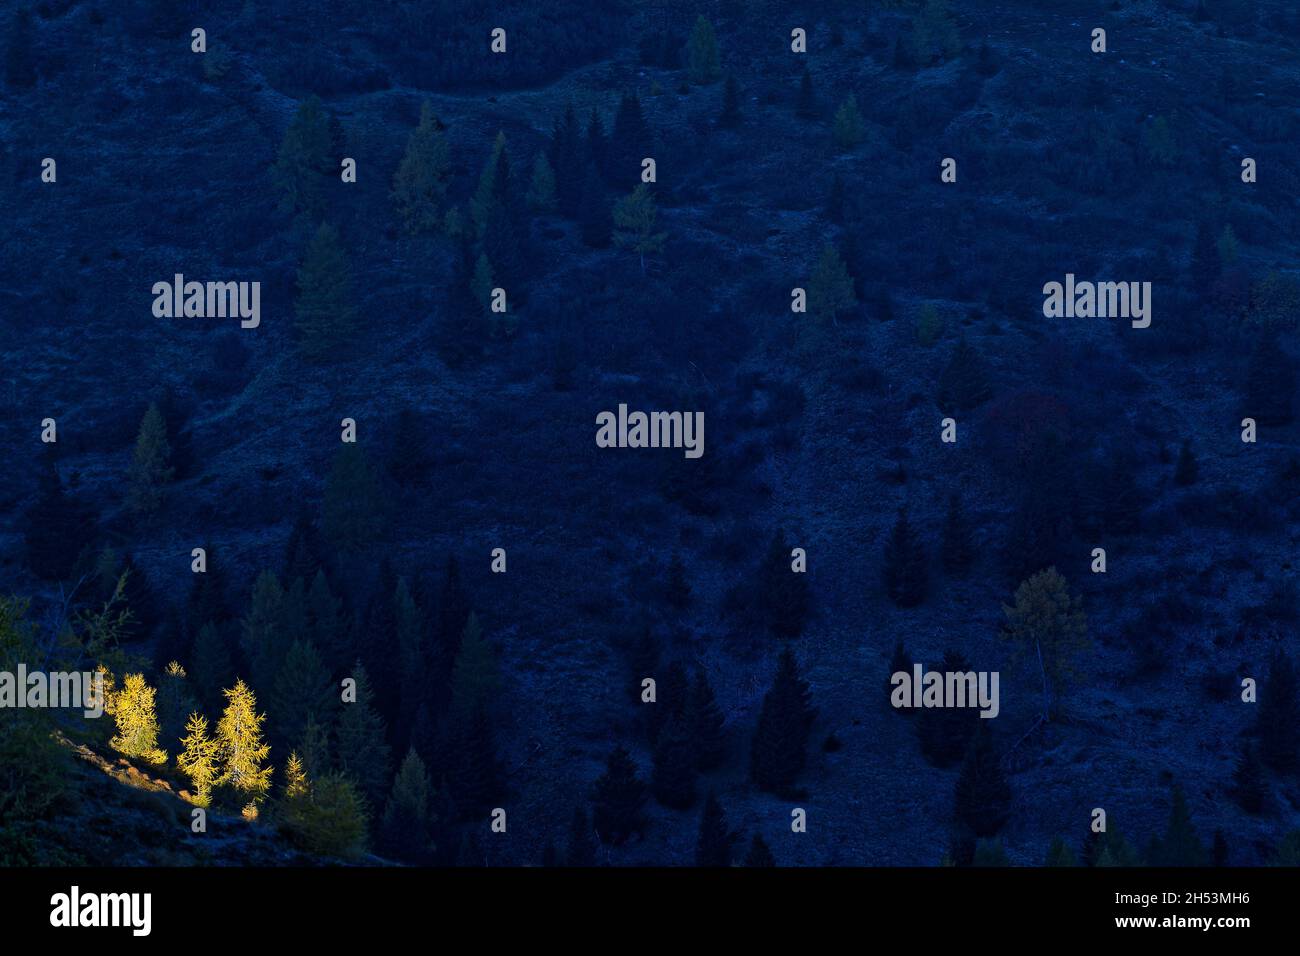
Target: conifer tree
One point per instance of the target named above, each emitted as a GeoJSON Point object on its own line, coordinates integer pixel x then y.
{"type": "Point", "coordinates": [706, 723]}
{"type": "Point", "coordinates": [806, 104]}
{"type": "Point", "coordinates": [630, 143]}
{"type": "Point", "coordinates": [849, 129]}
{"type": "Point", "coordinates": [301, 692]}
{"type": "Point", "coordinates": [780, 742]}
{"type": "Point", "coordinates": [1180, 845]}
{"type": "Point", "coordinates": [240, 746]}
{"type": "Point", "coordinates": [759, 855]}
{"type": "Point", "coordinates": [263, 638]}
{"type": "Point", "coordinates": [20, 70]}
{"type": "Point", "coordinates": [302, 552]}
{"type": "Point", "coordinates": [1248, 783]}
{"type": "Point", "coordinates": [474, 676]}
{"type": "Point", "coordinates": [412, 652]}
{"type": "Point", "coordinates": [137, 721]}
{"type": "Point", "coordinates": [635, 219]}
{"type": "Point", "coordinates": [407, 829]}
{"type": "Point", "coordinates": [198, 758]}
{"type": "Point", "coordinates": [983, 795]}
{"type": "Point", "coordinates": [595, 144]}
{"type": "Point", "coordinates": [352, 515]}
{"type": "Point", "coordinates": [714, 845]}
{"type": "Point", "coordinates": [324, 310]}
{"type": "Point", "coordinates": [906, 568]}
{"type": "Point", "coordinates": [934, 33]}
{"type": "Point", "coordinates": [1278, 724]}
{"type": "Point", "coordinates": [964, 384]}
{"type": "Point", "coordinates": [541, 190]}
{"type": "Point", "coordinates": [329, 624]}
{"type": "Point", "coordinates": [730, 117]}
{"type": "Point", "coordinates": [1270, 383]}
{"type": "Point", "coordinates": [673, 780]}
{"type": "Point", "coordinates": [150, 467]}
{"type": "Point", "coordinates": [945, 733]}
{"type": "Point", "coordinates": [671, 698]}
{"type": "Point", "coordinates": [594, 219]}
{"type": "Point", "coordinates": [473, 773]}
{"type": "Point", "coordinates": [363, 751]}
{"type": "Point", "coordinates": [453, 614]}
{"type": "Point", "coordinates": [57, 526]}
{"type": "Point", "coordinates": [617, 799]}
{"type": "Point", "coordinates": [1050, 626]}
{"type": "Point", "coordinates": [957, 550]}
{"type": "Point", "coordinates": [420, 183]}
{"type": "Point", "coordinates": [566, 155]}
{"type": "Point", "coordinates": [210, 664]}
{"type": "Point", "coordinates": [702, 53]}
{"type": "Point", "coordinates": [313, 746]}
{"type": "Point", "coordinates": [1060, 854]}
{"type": "Point", "coordinates": [830, 290]}
{"type": "Point", "coordinates": [295, 778]}
{"type": "Point", "coordinates": [782, 594]}
{"type": "Point", "coordinates": [304, 165]}
{"type": "Point", "coordinates": [329, 820]}
{"type": "Point", "coordinates": [174, 702]}
{"type": "Point", "coordinates": [1185, 470]}
{"type": "Point", "coordinates": [582, 848]}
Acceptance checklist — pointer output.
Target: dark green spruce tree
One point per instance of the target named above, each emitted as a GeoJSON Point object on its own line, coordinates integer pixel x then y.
{"type": "Point", "coordinates": [780, 744]}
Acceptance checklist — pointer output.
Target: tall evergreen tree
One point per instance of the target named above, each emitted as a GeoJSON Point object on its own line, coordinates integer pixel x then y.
{"type": "Point", "coordinates": [706, 723]}
{"type": "Point", "coordinates": [363, 751]}
{"type": "Point", "coordinates": [635, 221]}
{"type": "Point", "coordinates": [983, 795]}
{"type": "Point", "coordinates": [135, 713]}
{"type": "Point", "coordinates": [673, 780]}
{"type": "Point", "coordinates": [210, 664]}
{"type": "Point", "coordinates": [174, 702]}
{"type": "Point", "coordinates": [780, 742]}
{"type": "Point", "coordinates": [566, 155]}
{"type": "Point", "coordinates": [907, 576]}
{"type": "Point", "coordinates": [830, 290]}
{"type": "Point", "coordinates": [1048, 622]}
{"type": "Point", "coordinates": [704, 65]}
{"type": "Point", "coordinates": [1278, 723]}
{"type": "Point", "coordinates": [324, 312]}
{"type": "Point", "coordinates": [420, 183]}
{"type": "Point", "coordinates": [617, 799]}
{"type": "Point", "coordinates": [150, 466]}
{"type": "Point", "coordinates": [473, 773]}
{"type": "Point", "coordinates": [629, 144]}
{"type": "Point", "coordinates": [849, 129]}
{"type": "Point", "coordinates": [329, 624]}
{"type": "Point", "coordinates": [806, 103]}
{"type": "Point", "coordinates": [198, 758]}
{"type": "Point", "coordinates": [945, 733]}
{"type": "Point", "coordinates": [964, 383]}
{"type": "Point", "coordinates": [305, 165]}
{"type": "Point", "coordinates": [782, 594]}
{"type": "Point", "coordinates": [714, 846]}
{"type": "Point", "coordinates": [20, 69]}
{"type": "Point", "coordinates": [957, 550]}
{"type": "Point", "coordinates": [263, 630]}
{"type": "Point", "coordinates": [1180, 845]}
{"type": "Point", "coordinates": [406, 829]}
{"type": "Point", "coordinates": [352, 514]}
{"type": "Point", "coordinates": [759, 855]}
{"type": "Point", "coordinates": [240, 746]}
{"type": "Point", "coordinates": [730, 117]}
{"type": "Point", "coordinates": [582, 848]}
{"type": "Point", "coordinates": [541, 189]}
{"type": "Point", "coordinates": [302, 692]}
{"type": "Point", "coordinates": [56, 527]}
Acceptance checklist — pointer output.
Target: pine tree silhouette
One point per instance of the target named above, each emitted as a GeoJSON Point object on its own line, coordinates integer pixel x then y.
{"type": "Point", "coordinates": [673, 780]}
{"type": "Point", "coordinates": [713, 847]}
{"type": "Point", "coordinates": [582, 848]}
{"type": "Point", "coordinates": [759, 854]}
{"type": "Point", "coordinates": [1180, 845]}
{"type": "Point", "coordinates": [780, 742]}
{"type": "Point", "coordinates": [706, 723]}
{"type": "Point", "coordinates": [906, 571]}
{"type": "Point", "coordinates": [617, 799]}
{"type": "Point", "coordinates": [363, 751]}
{"type": "Point", "coordinates": [782, 593]}
{"type": "Point", "coordinates": [982, 795]}
{"type": "Point", "coordinates": [324, 312]}
{"type": "Point", "coordinates": [57, 526]}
